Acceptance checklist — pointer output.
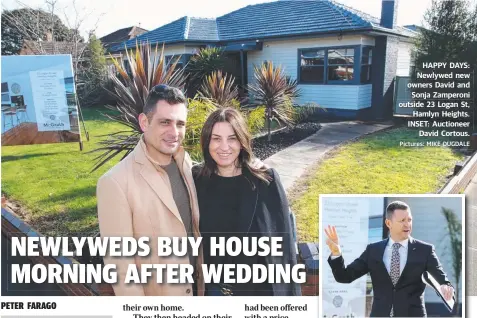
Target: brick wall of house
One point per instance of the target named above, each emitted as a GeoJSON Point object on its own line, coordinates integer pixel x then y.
{"type": "Point", "coordinates": [384, 71]}
{"type": "Point", "coordinates": [404, 59]}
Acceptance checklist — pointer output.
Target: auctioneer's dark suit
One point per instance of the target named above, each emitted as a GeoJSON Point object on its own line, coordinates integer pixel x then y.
{"type": "Point", "coordinates": [407, 296]}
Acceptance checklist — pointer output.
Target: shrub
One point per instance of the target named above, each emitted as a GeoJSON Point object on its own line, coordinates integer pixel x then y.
{"type": "Point", "coordinates": [202, 64]}
{"type": "Point", "coordinates": [255, 119]}
{"type": "Point", "coordinates": [276, 92]}
{"type": "Point", "coordinates": [219, 89]}
{"type": "Point", "coordinates": [198, 111]}
{"type": "Point", "coordinates": [303, 114]}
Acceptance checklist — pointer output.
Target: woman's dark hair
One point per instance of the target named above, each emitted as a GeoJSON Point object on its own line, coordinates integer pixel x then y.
{"type": "Point", "coordinates": [245, 157]}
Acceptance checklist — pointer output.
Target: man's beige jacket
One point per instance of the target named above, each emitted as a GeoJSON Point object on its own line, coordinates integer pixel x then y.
{"type": "Point", "coordinates": [135, 200]}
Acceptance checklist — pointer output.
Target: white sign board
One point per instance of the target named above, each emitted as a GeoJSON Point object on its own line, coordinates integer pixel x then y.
{"type": "Point", "coordinates": [39, 103]}
{"type": "Point", "coordinates": [51, 107]}
{"type": "Point", "coordinates": [350, 216]}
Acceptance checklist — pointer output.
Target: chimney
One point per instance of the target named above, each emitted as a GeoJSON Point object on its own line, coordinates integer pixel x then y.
{"type": "Point", "coordinates": [389, 10]}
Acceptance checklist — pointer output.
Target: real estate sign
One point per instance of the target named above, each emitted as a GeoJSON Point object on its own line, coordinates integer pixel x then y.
{"type": "Point", "coordinates": [38, 100]}
{"type": "Point", "coordinates": [350, 215]}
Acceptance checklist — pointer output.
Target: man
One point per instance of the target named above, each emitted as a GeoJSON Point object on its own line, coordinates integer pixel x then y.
{"type": "Point", "coordinates": [396, 266]}
{"type": "Point", "coordinates": [151, 193]}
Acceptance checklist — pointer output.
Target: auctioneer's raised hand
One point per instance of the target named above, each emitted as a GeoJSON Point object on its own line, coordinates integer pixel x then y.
{"type": "Point", "coordinates": [333, 241]}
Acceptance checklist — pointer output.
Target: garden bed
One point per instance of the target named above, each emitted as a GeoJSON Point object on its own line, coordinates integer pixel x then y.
{"type": "Point", "coordinates": [282, 139]}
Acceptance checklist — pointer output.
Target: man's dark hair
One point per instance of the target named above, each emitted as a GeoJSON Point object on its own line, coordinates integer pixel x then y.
{"type": "Point", "coordinates": [396, 205]}
{"type": "Point", "coordinates": [171, 95]}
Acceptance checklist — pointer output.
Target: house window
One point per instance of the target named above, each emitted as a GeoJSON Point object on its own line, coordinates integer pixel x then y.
{"type": "Point", "coordinates": [335, 65]}
{"type": "Point", "coordinates": [366, 62]}
{"type": "Point", "coordinates": [341, 64]}
{"type": "Point", "coordinates": [312, 66]}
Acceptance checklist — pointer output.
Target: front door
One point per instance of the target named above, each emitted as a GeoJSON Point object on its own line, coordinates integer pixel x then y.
{"type": "Point", "coordinates": [238, 70]}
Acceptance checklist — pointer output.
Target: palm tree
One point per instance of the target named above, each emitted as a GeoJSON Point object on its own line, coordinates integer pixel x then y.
{"type": "Point", "coordinates": [130, 90]}
{"type": "Point", "coordinates": [220, 90]}
{"type": "Point", "coordinates": [276, 92]}
{"type": "Point", "coordinates": [202, 64]}
{"type": "Point", "coordinates": [454, 227]}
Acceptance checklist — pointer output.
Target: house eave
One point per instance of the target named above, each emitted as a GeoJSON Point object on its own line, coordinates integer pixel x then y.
{"type": "Point", "coordinates": [366, 30]}
{"type": "Point", "coordinates": [185, 42]}
{"type": "Point", "coordinates": [383, 31]}
{"type": "Point", "coordinates": [295, 36]}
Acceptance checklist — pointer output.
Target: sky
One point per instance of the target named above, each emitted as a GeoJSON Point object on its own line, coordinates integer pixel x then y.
{"type": "Point", "coordinates": [106, 16]}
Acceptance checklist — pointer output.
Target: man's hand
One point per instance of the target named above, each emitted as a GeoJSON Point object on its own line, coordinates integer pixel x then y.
{"type": "Point", "coordinates": [447, 291]}
{"type": "Point", "coordinates": [333, 241]}
{"type": "Point", "coordinates": [258, 164]}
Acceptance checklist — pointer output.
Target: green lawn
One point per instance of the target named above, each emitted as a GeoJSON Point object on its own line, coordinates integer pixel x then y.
{"type": "Point", "coordinates": [374, 164]}
{"type": "Point", "coordinates": [53, 182]}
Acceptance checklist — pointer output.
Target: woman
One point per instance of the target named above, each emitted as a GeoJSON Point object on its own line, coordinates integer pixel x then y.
{"type": "Point", "coordinates": [238, 197]}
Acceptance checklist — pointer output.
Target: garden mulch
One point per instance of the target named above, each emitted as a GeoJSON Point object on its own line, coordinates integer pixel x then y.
{"type": "Point", "coordinates": [282, 139]}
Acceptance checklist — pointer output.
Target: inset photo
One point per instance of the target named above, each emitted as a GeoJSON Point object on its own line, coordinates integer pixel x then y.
{"type": "Point", "coordinates": [392, 255]}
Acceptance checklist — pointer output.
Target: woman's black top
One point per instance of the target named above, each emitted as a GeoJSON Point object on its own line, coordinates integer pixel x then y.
{"type": "Point", "coordinates": [219, 216]}
{"type": "Point", "coordinates": [247, 206]}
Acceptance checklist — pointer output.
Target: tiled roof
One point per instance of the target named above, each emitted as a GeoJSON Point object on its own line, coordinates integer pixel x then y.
{"type": "Point", "coordinates": [121, 35]}
{"type": "Point", "coordinates": [287, 18]}
{"type": "Point", "coordinates": [272, 19]}
{"type": "Point", "coordinates": [375, 22]}
{"type": "Point", "coordinates": [171, 32]}
{"type": "Point", "coordinates": [202, 29]}
{"type": "Point", "coordinates": [56, 47]}
{"type": "Point", "coordinates": [183, 29]}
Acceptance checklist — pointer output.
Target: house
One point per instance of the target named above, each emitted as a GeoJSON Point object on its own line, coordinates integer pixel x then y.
{"type": "Point", "coordinates": [118, 37]}
{"type": "Point", "coordinates": [76, 49]}
{"type": "Point", "coordinates": [344, 60]}
{"type": "Point", "coordinates": [121, 35]}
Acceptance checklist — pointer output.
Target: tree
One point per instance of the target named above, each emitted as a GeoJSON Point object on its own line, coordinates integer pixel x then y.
{"type": "Point", "coordinates": [275, 91]}
{"type": "Point", "coordinates": [31, 24]}
{"type": "Point", "coordinates": [130, 91]}
{"type": "Point", "coordinates": [220, 90]}
{"type": "Point", "coordinates": [448, 31]}
{"type": "Point", "coordinates": [450, 35]}
{"type": "Point", "coordinates": [454, 227]}
{"type": "Point", "coordinates": [92, 72]}
{"type": "Point", "coordinates": [203, 64]}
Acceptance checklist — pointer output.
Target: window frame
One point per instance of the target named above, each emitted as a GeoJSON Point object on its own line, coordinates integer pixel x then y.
{"type": "Point", "coordinates": [325, 57]}
{"type": "Point", "coordinates": [355, 49]}
{"type": "Point", "coordinates": [372, 48]}
{"type": "Point", "coordinates": [358, 50]}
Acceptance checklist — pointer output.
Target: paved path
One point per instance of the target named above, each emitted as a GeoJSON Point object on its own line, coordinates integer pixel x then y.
{"type": "Point", "coordinates": [292, 162]}
{"type": "Point", "coordinates": [471, 237]}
